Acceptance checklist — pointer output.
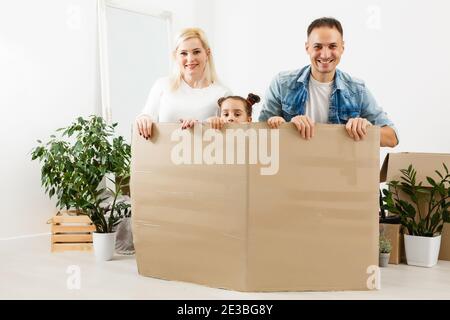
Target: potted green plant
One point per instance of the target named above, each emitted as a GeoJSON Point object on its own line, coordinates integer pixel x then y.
{"type": "Point", "coordinates": [75, 166]}
{"type": "Point", "coordinates": [422, 211]}
{"type": "Point", "coordinates": [385, 251]}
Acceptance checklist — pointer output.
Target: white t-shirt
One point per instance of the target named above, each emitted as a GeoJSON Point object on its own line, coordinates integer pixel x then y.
{"type": "Point", "coordinates": [165, 105]}
{"type": "Point", "coordinates": [318, 103]}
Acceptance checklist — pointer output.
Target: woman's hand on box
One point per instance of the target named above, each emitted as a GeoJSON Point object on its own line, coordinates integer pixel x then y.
{"type": "Point", "coordinates": [186, 124]}
{"type": "Point", "coordinates": [144, 125]}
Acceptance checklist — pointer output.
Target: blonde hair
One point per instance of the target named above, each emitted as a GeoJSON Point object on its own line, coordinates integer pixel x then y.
{"type": "Point", "coordinates": [210, 69]}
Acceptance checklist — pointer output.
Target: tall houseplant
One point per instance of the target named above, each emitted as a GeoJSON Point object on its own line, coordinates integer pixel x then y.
{"type": "Point", "coordinates": [423, 210]}
{"type": "Point", "coordinates": [76, 164]}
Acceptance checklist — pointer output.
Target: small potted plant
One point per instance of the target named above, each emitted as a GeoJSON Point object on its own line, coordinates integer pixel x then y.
{"type": "Point", "coordinates": [75, 167]}
{"type": "Point", "coordinates": [422, 211]}
{"type": "Point", "coordinates": [124, 233]}
{"type": "Point", "coordinates": [385, 251]}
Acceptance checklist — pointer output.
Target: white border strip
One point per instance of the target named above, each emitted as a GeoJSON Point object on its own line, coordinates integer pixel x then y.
{"type": "Point", "coordinates": [104, 62]}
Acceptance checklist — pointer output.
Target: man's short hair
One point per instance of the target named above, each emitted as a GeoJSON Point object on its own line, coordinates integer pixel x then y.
{"type": "Point", "coordinates": [325, 22]}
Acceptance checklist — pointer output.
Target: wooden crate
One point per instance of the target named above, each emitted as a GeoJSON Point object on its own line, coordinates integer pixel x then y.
{"type": "Point", "coordinates": [71, 233]}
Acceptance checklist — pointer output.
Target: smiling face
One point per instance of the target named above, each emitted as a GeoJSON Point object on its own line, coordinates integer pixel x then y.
{"type": "Point", "coordinates": [192, 58]}
{"type": "Point", "coordinates": [233, 111]}
{"type": "Point", "coordinates": [325, 47]}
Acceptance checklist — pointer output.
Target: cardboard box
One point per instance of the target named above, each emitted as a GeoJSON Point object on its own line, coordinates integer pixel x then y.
{"type": "Point", "coordinates": [425, 164]}
{"type": "Point", "coordinates": [394, 234]}
{"type": "Point", "coordinates": [305, 218]}
{"type": "Point", "coordinates": [444, 252]}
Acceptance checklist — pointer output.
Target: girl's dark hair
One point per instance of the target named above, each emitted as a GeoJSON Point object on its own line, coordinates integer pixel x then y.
{"type": "Point", "coordinates": [249, 102]}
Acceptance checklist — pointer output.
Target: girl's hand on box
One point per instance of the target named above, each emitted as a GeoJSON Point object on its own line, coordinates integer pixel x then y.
{"type": "Point", "coordinates": [216, 122]}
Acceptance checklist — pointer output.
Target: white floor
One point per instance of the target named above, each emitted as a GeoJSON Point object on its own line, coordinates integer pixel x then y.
{"type": "Point", "coordinates": [29, 271]}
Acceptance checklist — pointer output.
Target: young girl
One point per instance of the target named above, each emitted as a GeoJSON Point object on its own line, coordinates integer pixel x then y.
{"type": "Point", "coordinates": [234, 109]}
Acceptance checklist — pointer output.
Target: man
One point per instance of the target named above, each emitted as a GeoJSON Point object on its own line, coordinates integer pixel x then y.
{"type": "Point", "coordinates": [321, 93]}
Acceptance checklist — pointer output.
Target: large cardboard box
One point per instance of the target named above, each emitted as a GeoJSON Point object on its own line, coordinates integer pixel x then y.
{"type": "Point", "coordinates": [289, 215]}
{"type": "Point", "coordinates": [425, 164]}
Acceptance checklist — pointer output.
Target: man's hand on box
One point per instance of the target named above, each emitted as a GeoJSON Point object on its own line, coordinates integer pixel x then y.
{"type": "Point", "coordinates": [305, 126]}
{"type": "Point", "coordinates": [216, 122]}
{"type": "Point", "coordinates": [357, 128]}
{"type": "Point", "coordinates": [274, 122]}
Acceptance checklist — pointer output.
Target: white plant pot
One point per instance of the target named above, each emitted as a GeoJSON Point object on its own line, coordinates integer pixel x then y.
{"type": "Point", "coordinates": [422, 251]}
{"type": "Point", "coordinates": [104, 245]}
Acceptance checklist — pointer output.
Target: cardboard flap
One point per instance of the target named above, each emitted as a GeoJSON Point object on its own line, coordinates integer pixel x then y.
{"type": "Point", "coordinates": [384, 168]}
{"type": "Point", "coordinates": [424, 163]}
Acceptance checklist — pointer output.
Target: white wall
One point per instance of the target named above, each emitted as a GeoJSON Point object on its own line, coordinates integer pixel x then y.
{"type": "Point", "coordinates": [49, 71]}
{"type": "Point", "coordinates": [398, 47]}
{"type": "Point", "coordinates": [49, 76]}
{"type": "Point", "coordinates": [183, 12]}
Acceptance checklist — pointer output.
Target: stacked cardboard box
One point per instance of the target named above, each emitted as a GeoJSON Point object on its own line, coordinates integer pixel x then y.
{"type": "Point", "coordinates": [394, 234]}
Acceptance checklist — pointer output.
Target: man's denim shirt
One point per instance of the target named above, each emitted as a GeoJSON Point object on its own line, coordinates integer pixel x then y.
{"type": "Point", "coordinates": [350, 98]}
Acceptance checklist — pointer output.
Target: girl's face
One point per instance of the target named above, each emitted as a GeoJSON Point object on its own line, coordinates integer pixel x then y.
{"type": "Point", "coordinates": [233, 111]}
{"type": "Point", "coordinates": [192, 58]}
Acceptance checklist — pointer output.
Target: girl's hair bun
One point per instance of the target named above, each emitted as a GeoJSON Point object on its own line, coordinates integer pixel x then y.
{"type": "Point", "coordinates": [253, 98]}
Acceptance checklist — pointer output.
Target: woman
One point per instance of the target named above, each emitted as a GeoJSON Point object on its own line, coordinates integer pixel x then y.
{"type": "Point", "coordinates": [191, 93]}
